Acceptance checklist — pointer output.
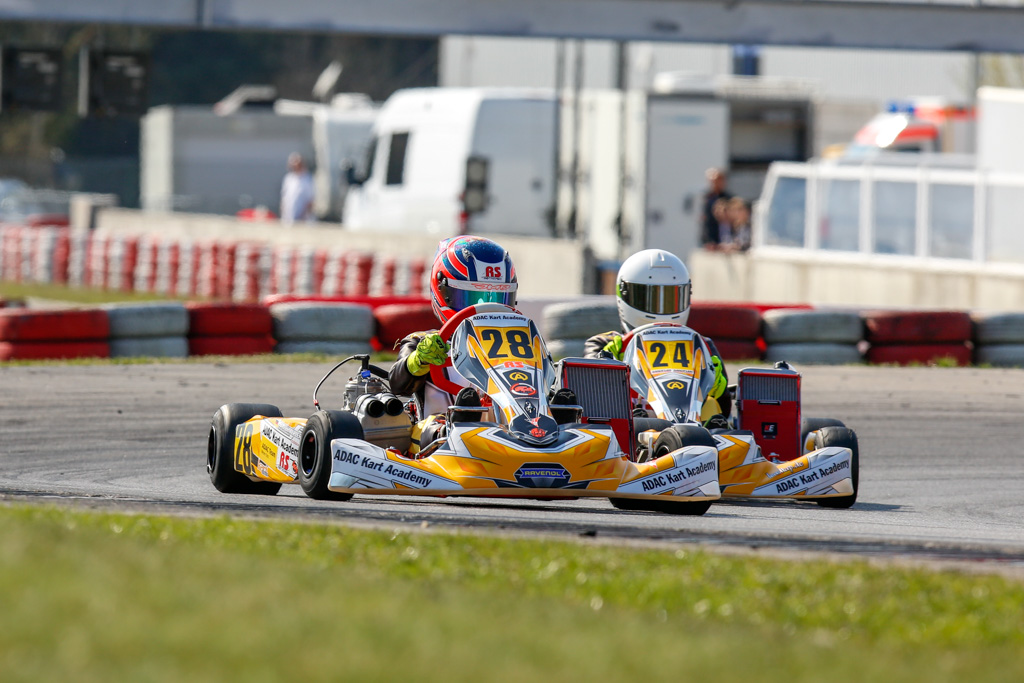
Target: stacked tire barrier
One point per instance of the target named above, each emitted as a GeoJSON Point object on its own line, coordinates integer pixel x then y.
{"type": "Point", "coordinates": [32, 335]}
{"type": "Point", "coordinates": [223, 329]}
{"type": "Point", "coordinates": [813, 337]}
{"type": "Point", "coordinates": [158, 330]}
{"type": "Point", "coordinates": [339, 329]}
{"type": "Point", "coordinates": [567, 326]}
{"type": "Point", "coordinates": [396, 321]}
{"type": "Point", "coordinates": [223, 270]}
{"type": "Point", "coordinates": [999, 339]}
{"type": "Point", "coordinates": [736, 330]}
{"type": "Point", "coordinates": [918, 337]}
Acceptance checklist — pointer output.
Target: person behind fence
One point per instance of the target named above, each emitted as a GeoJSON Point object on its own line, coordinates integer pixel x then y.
{"type": "Point", "coordinates": [711, 224]}
{"type": "Point", "coordinates": [738, 213]}
{"type": "Point", "coordinates": [466, 271]}
{"type": "Point", "coordinates": [296, 192]}
{"type": "Point", "coordinates": [653, 286]}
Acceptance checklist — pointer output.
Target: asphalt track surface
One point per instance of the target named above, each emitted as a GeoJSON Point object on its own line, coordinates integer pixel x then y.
{"type": "Point", "coordinates": [941, 478]}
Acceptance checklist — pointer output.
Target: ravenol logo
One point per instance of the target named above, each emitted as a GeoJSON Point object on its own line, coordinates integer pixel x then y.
{"type": "Point", "coordinates": [518, 376]}
{"type": "Point", "coordinates": [542, 475]}
{"type": "Point", "coordinates": [675, 384]}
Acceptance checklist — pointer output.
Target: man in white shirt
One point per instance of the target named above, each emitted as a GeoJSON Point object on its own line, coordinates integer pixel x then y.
{"type": "Point", "coordinates": [296, 192]}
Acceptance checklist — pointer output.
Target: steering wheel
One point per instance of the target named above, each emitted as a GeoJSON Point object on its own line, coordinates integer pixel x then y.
{"type": "Point", "coordinates": [448, 329]}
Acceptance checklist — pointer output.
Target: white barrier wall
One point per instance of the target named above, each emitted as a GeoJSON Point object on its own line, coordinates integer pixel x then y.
{"type": "Point", "coordinates": [831, 279]}
{"type": "Point", "coordinates": [545, 267]}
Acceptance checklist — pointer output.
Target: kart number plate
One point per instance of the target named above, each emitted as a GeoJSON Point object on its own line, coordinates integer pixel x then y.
{"type": "Point", "coordinates": [668, 355]}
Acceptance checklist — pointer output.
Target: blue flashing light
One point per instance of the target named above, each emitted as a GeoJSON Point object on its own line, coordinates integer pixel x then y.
{"type": "Point", "coordinates": [899, 107]}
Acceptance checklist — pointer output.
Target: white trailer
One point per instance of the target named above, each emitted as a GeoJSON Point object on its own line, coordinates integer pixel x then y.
{"type": "Point", "coordinates": [642, 156]}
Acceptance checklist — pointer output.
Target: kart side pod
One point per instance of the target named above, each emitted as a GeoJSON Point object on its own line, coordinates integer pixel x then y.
{"type": "Point", "coordinates": [768, 403]}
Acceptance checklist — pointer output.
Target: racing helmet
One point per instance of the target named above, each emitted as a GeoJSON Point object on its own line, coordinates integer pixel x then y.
{"type": "Point", "coordinates": [470, 270]}
{"type": "Point", "coordinates": [653, 286]}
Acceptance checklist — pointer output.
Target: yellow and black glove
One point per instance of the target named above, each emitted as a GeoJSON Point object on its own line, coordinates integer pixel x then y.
{"type": "Point", "coordinates": [720, 385]}
{"type": "Point", "coordinates": [431, 350]}
{"type": "Point", "coordinates": [614, 347]}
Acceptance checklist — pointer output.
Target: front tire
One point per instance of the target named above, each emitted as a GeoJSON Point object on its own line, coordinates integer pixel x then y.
{"type": "Point", "coordinates": [669, 441]}
{"type": "Point", "coordinates": [315, 451]}
{"type": "Point", "coordinates": [844, 438]}
{"type": "Point", "coordinates": [220, 450]}
{"type": "Point", "coordinates": [813, 424]}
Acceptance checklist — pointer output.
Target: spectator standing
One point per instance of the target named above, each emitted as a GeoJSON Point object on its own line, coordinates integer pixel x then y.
{"type": "Point", "coordinates": [710, 228]}
{"type": "Point", "coordinates": [296, 192]}
{"type": "Point", "coordinates": [738, 213]}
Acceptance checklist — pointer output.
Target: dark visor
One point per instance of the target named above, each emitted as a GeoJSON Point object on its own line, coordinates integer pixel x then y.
{"type": "Point", "coordinates": [656, 299]}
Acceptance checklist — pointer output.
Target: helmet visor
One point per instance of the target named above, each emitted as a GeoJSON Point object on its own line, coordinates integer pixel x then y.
{"type": "Point", "coordinates": [656, 299]}
{"type": "Point", "coordinates": [462, 294]}
{"type": "Point", "coordinates": [461, 298]}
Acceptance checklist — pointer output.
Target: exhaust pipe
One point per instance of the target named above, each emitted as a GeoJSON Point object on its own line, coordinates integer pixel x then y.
{"type": "Point", "coordinates": [392, 405]}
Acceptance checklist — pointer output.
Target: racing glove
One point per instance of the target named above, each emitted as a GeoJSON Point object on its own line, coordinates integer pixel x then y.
{"type": "Point", "coordinates": [720, 385]}
{"type": "Point", "coordinates": [614, 347]}
{"type": "Point", "coordinates": [431, 350]}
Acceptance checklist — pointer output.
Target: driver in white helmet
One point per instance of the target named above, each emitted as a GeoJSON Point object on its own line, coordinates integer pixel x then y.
{"type": "Point", "coordinates": [653, 286]}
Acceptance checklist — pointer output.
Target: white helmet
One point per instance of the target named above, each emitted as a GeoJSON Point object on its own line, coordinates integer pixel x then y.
{"type": "Point", "coordinates": [653, 286]}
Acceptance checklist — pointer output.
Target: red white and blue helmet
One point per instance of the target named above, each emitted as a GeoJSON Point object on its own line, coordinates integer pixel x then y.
{"type": "Point", "coordinates": [470, 270]}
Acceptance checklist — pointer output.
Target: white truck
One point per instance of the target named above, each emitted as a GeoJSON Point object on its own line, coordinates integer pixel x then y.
{"type": "Point", "coordinates": [454, 160]}
{"type": "Point", "coordinates": [630, 165]}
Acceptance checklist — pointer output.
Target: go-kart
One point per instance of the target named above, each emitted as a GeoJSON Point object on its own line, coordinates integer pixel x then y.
{"type": "Point", "coordinates": [510, 447]}
{"type": "Point", "coordinates": [770, 451]}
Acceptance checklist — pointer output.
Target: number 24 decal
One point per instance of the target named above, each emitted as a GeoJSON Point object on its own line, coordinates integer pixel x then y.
{"type": "Point", "coordinates": [518, 342]}
{"type": "Point", "coordinates": [679, 355]}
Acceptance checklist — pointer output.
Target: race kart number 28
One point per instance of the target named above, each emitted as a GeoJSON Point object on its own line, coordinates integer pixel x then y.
{"type": "Point", "coordinates": [506, 343]}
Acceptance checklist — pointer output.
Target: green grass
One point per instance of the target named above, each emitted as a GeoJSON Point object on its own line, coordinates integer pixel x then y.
{"type": "Point", "coordinates": [89, 596]}
{"type": "Point", "coordinates": [18, 291]}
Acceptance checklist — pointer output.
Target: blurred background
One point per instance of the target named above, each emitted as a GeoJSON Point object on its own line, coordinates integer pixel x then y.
{"type": "Point", "coordinates": [842, 130]}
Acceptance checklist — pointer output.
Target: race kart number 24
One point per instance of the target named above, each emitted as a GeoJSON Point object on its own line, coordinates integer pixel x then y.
{"type": "Point", "coordinates": [669, 355]}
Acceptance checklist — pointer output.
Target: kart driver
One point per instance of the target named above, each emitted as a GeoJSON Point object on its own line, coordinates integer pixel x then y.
{"type": "Point", "coordinates": [653, 286]}
{"type": "Point", "coordinates": [467, 270]}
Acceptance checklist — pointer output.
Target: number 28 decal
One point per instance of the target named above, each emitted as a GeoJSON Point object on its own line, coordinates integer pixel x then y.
{"type": "Point", "coordinates": [506, 343]}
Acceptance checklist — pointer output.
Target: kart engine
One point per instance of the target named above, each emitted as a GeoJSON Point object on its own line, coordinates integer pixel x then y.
{"type": "Point", "coordinates": [381, 413]}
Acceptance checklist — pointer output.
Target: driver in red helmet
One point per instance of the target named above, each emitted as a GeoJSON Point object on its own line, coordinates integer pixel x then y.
{"type": "Point", "coordinates": [467, 270]}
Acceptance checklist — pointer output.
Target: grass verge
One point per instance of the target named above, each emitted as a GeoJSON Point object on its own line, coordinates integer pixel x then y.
{"type": "Point", "coordinates": [16, 291]}
{"type": "Point", "coordinates": [95, 596]}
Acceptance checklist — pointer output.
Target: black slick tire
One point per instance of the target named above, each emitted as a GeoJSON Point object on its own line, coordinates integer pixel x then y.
{"type": "Point", "coordinates": [220, 452]}
{"type": "Point", "coordinates": [315, 451]}
{"type": "Point", "coordinates": [670, 440]}
{"type": "Point", "coordinates": [844, 438]}
{"type": "Point", "coordinates": [813, 424]}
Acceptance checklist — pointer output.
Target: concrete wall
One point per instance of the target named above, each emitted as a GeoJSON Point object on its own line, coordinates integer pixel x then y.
{"type": "Point", "coordinates": [544, 267]}
{"type": "Point", "coordinates": [828, 279]}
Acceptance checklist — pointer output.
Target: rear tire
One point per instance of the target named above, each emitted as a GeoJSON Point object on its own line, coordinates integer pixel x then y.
{"type": "Point", "coordinates": [844, 438]}
{"type": "Point", "coordinates": [315, 451]}
{"type": "Point", "coordinates": [670, 440]}
{"type": "Point", "coordinates": [220, 450]}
